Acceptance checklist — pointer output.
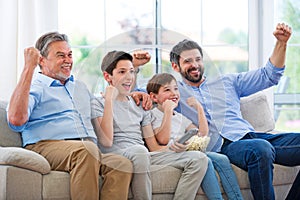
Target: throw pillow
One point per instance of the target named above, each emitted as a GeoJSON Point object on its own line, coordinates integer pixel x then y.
{"type": "Point", "coordinates": [20, 157]}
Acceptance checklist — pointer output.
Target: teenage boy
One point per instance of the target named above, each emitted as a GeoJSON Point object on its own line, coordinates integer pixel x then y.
{"type": "Point", "coordinates": [121, 126]}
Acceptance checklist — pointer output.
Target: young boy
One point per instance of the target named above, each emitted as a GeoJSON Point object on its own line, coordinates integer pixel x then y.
{"type": "Point", "coordinates": [121, 127]}
{"type": "Point", "coordinates": [169, 125]}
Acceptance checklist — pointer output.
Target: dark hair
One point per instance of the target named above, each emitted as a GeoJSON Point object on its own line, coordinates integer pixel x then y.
{"type": "Point", "coordinates": [111, 59]}
{"type": "Point", "coordinates": [183, 46]}
{"type": "Point", "coordinates": [42, 44]}
{"type": "Point", "coordinates": [159, 80]}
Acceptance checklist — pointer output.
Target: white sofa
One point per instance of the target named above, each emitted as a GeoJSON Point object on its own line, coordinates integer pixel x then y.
{"type": "Point", "coordinates": [27, 175]}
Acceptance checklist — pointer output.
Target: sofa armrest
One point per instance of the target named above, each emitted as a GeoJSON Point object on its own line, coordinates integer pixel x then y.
{"type": "Point", "coordinates": [255, 109]}
{"type": "Point", "coordinates": [19, 183]}
{"type": "Point", "coordinates": [23, 158]}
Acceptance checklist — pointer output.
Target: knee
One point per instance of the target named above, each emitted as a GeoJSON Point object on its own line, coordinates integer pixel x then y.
{"type": "Point", "coordinates": [91, 149]}
{"type": "Point", "coordinates": [139, 149]}
{"type": "Point", "coordinates": [125, 165]}
{"type": "Point", "coordinates": [198, 158]}
{"type": "Point", "coordinates": [195, 160]}
{"type": "Point", "coordinates": [260, 149]}
{"type": "Point", "coordinates": [218, 158]}
{"type": "Point", "coordinates": [86, 153]}
{"type": "Point", "coordinates": [140, 157]}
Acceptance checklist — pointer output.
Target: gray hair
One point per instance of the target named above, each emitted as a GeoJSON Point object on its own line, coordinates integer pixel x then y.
{"type": "Point", "coordinates": [42, 44]}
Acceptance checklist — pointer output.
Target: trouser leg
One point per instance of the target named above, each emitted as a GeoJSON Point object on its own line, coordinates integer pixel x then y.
{"type": "Point", "coordinates": [116, 171]}
{"type": "Point", "coordinates": [257, 157]}
{"type": "Point", "coordinates": [193, 165]}
{"type": "Point", "coordinates": [210, 184]}
{"type": "Point", "coordinates": [141, 181]}
{"type": "Point", "coordinates": [294, 192]}
{"type": "Point", "coordinates": [287, 148]}
{"type": "Point", "coordinates": [80, 159]}
{"type": "Point", "coordinates": [227, 176]}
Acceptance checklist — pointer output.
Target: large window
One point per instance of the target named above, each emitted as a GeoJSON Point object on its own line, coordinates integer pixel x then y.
{"type": "Point", "coordinates": [155, 25]}
{"type": "Point", "coordinates": [287, 101]}
{"type": "Point", "coordinates": [235, 36]}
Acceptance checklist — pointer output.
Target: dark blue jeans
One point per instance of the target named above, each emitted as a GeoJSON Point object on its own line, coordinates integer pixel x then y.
{"type": "Point", "coordinates": [295, 190]}
{"type": "Point", "coordinates": [257, 152]}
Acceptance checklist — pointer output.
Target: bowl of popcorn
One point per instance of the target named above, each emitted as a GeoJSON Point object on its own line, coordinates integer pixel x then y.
{"type": "Point", "coordinates": [198, 143]}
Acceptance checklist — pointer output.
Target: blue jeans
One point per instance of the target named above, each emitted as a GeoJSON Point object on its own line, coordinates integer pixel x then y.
{"type": "Point", "coordinates": [227, 176]}
{"type": "Point", "coordinates": [295, 190]}
{"type": "Point", "coordinates": [257, 152]}
{"type": "Point", "coordinates": [210, 185]}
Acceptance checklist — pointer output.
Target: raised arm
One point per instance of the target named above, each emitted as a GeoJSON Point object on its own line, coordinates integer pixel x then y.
{"type": "Point", "coordinates": [203, 124]}
{"type": "Point", "coordinates": [18, 105]}
{"type": "Point", "coordinates": [140, 58]}
{"type": "Point", "coordinates": [163, 133]}
{"type": "Point", "coordinates": [104, 125]}
{"type": "Point", "coordinates": [282, 33]}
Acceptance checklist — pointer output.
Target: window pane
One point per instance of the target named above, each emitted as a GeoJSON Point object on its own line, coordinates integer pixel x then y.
{"type": "Point", "coordinates": [79, 21]}
{"type": "Point", "coordinates": [286, 95]}
{"type": "Point", "coordinates": [102, 26]}
{"type": "Point", "coordinates": [220, 27]}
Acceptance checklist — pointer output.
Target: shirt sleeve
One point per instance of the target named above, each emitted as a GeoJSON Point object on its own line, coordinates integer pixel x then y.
{"type": "Point", "coordinates": [156, 118]}
{"type": "Point", "coordinates": [34, 96]}
{"type": "Point", "coordinates": [146, 118]}
{"type": "Point", "coordinates": [97, 106]}
{"type": "Point", "coordinates": [250, 82]}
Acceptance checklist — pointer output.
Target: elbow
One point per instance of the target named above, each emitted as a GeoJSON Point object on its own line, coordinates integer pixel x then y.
{"type": "Point", "coordinates": [17, 120]}
{"type": "Point", "coordinates": [106, 143]}
{"type": "Point", "coordinates": [164, 141]}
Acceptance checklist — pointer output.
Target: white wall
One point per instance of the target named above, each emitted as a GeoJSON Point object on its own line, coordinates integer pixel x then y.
{"type": "Point", "coordinates": [21, 22]}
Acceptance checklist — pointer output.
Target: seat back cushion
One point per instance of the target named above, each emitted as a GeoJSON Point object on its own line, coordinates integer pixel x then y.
{"type": "Point", "coordinates": [8, 138]}
{"type": "Point", "coordinates": [256, 110]}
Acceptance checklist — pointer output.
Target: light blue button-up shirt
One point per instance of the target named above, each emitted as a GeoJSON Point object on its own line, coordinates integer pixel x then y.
{"type": "Point", "coordinates": [220, 99]}
{"type": "Point", "coordinates": [57, 111]}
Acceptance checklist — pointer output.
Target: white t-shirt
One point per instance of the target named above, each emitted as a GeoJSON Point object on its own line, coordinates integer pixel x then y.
{"type": "Point", "coordinates": [179, 123]}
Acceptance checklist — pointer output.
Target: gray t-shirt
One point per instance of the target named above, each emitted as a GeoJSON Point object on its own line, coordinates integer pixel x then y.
{"type": "Point", "coordinates": [179, 123]}
{"type": "Point", "coordinates": [127, 122]}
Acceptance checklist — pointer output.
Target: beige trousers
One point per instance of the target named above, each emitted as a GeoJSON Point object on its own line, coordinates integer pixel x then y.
{"type": "Point", "coordinates": [84, 162]}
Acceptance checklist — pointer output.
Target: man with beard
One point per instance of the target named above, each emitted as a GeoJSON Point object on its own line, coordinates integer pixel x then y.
{"type": "Point", "coordinates": [230, 133]}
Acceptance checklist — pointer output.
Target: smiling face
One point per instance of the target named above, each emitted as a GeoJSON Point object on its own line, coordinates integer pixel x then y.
{"type": "Point", "coordinates": [122, 77]}
{"type": "Point", "coordinates": [58, 63]}
{"type": "Point", "coordinates": [168, 91]}
{"type": "Point", "coordinates": [190, 67]}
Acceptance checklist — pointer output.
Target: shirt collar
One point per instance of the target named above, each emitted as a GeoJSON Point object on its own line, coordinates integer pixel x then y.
{"type": "Point", "coordinates": [51, 82]}
{"type": "Point", "coordinates": [194, 87]}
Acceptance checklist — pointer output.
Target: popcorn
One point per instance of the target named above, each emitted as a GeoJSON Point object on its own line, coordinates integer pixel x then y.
{"type": "Point", "coordinates": [197, 143]}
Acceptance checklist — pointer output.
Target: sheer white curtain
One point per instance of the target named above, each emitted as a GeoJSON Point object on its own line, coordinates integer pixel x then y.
{"type": "Point", "coordinates": [21, 23]}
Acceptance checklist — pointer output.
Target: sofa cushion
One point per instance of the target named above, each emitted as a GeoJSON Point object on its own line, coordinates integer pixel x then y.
{"type": "Point", "coordinates": [19, 184]}
{"type": "Point", "coordinates": [8, 138]}
{"type": "Point", "coordinates": [56, 185]}
{"type": "Point", "coordinates": [24, 158]}
{"type": "Point", "coordinates": [256, 110]}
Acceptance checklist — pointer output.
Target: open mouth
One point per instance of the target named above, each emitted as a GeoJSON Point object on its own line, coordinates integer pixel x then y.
{"type": "Point", "coordinates": [174, 99]}
{"type": "Point", "coordinates": [127, 86]}
{"type": "Point", "coordinates": [66, 67]}
{"type": "Point", "coordinates": [194, 71]}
